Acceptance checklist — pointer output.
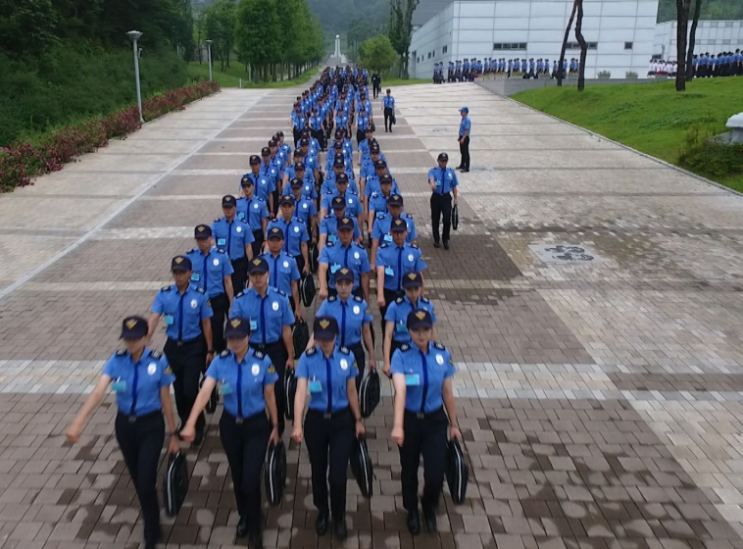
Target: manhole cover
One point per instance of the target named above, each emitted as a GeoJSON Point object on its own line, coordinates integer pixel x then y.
{"type": "Point", "coordinates": [564, 253]}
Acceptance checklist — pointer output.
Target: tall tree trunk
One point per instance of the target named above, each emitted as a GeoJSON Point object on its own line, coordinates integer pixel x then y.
{"type": "Point", "coordinates": [583, 46]}
{"type": "Point", "coordinates": [561, 62]}
{"type": "Point", "coordinates": [682, 25]}
{"type": "Point", "coordinates": [692, 41]}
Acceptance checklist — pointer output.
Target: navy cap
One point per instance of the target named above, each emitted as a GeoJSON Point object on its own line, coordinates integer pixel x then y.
{"type": "Point", "coordinates": [258, 265]}
{"type": "Point", "coordinates": [298, 152]}
{"type": "Point", "coordinates": [374, 149]}
{"type": "Point", "coordinates": [443, 157]}
{"type": "Point", "coordinates": [275, 232]}
{"type": "Point", "coordinates": [380, 164]}
{"type": "Point", "coordinates": [338, 203]}
{"type": "Point", "coordinates": [296, 183]}
{"type": "Point", "coordinates": [286, 199]}
{"type": "Point", "coordinates": [325, 328]}
{"type": "Point", "coordinates": [395, 200]}
{"type": "Point", "coordinates": [246, 182]}
{"type": "Point", "coordinates": [412, 280]}
{"type": "Point", "coordinates": [228, 201]}
{"type": "Point", "coordinates": [265, 151]}
{"type": "Point", "coordinates": [279, 134]}
{"type": "Point", "coordinates": [273, 143]}
{"type": "Point", "coordinates": [180, 263]}
{"type": "Point", "coordinates": [202, 231]}
{"type": "Point", "coordinates": [135, 327]}
{"type": "Point", "coordinates": [338, 145]}
{"type": "Point", "coordinates": [344, 274]}
{"type": "Point", "coordinates": [464, 109]}
{"type": "Point", "coordinates": [237, 327]}
{"type": "Point", "coordinates": [304, 142]}
{"type": "Point", "coordinates": [255, 159]}
{"type": "Point", "coordinates": [420, 318]}
{"type": "Point", "coordinates": [341, 178]}
{"type": "Point", "coordinates": [339, 162]}
{"type": "Point", "coordinates": [345, 224]}
{"type": "Point", "coordinates": [369, 130]}
{"type": "Point", "coordinates": [399, 226]}
{"type": "Point", "coordinates": [386, 178]}
{"type": "Point", "coordinates": [299, 166]}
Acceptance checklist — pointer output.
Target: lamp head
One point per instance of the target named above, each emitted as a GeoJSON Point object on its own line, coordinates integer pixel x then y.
{"type": "Point", "coordinates": [208, 42]}
{"type": "Point", "coordinates": [134, 35]}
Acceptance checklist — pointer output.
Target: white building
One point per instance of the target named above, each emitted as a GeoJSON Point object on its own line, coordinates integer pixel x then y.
{"type": "Point", "coordinates": [712, 37]}
{"type": "Point", "coordinates": [620, 34]}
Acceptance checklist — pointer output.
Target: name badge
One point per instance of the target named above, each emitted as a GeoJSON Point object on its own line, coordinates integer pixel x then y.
{"type": "Point", "coordinates": [334, 268]}
{"type": "Point", "coordinates": [332, 238]}
{"type": "Point", "coordinates": [225, 389]}
{"type": "Point", "coordinates": [380, 215]}
{"type": "Point", "coordinates": [221, 242]}
{"type": "Point", "coordinates": [388, 271]}
{"type": "Point", "coordinates": [253, 325]}
{"type": "Point", "coordinates": [240, 215]}
{"type": "Point", "coordinates": [118, 386]}
{"type": "Point", "coordinates": [169, 320]}
{"type": "Point", "coordinates": [315, 387]}
{"type": "Point", "coordinates": [195, 277]}
{"type": "Point", "coordinates": [438, 183]}
{"type": "Point", "coordinates": [388, 238]}
{"type": "Point", "coordinates": [400, 328]}
{"type": "Point", "coordinates": [412, 380]}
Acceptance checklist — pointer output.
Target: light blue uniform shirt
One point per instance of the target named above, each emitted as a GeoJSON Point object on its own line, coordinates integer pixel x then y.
{"type": "Point", "coordinates": [295, 232]}
{"type": "Point", "coordinates": [329, 226]}
{"type": "Point", "coordinates": [383, 222]}
{"type": "Point", "coordinates": [252, 211]}
{"type": "Point", "coordinates": [378, 202]}
{"type": "Point", "coordinates": [464, 125]}
{"type": "Point", "coordinates": [137, 385]}
{"type": "Point", "coordinates": [351, 316]}
{"type": "Point", "coordinates": [353, 202]}
{"type": "Point", "coordinates": [304, 209]}
{"type": "Point", "coordinates": [242, 384]}
{"type": "Point", "coordinates": [388, 101]}
{"type": "Point", "coordinates": [232, 237]}
{"type": "Point", "coordinates": [373, 185]}
{"type": "Point", "coordinates": [424, 375]}
{"type": "Point", "coordinates": [446, 180]}
{"type": "Point", "coordinates": [327, 377]}
{"type": "Point", "coordinates": [209, 270]}
{"type": "Point", "coordinates": [353, 257]}
{"type": "Point", "coordinates": [268, 315]}
{"type": "Point", "coordinates": [398, 262]}
{"type": "Point", "coordinates": [184, 312]}
{"type": "Point", "coordinates": [398, 312]}
{"type": "Point", "coordinates": [329, 186]}
{"type": "Point", "coordinates": [282, 271]}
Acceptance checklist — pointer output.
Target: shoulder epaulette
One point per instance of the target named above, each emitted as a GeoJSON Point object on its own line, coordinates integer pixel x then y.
{"type": "Point", "coordinates": [156, 354]}
{"type": "Point", "coordinates": [260, 199]}
{"type": "Point", "coordinates": [329, 216]}
{"type": "Point", "coordinates": [333, 298]}
{"type": "Point", "coordinates": [384, 245]}
{"type": "Point", "coordinates": [375, 195]}
{"type": "Point", "coordinates": [414, 246]}
{"type": "Point", "coordinates": [345, 350]}
{"type": "Point", "coordinates": [225, 353]}
{"type": "Point", "coordinates": [218, 220]}
{"type": "Point", "coordinates": [192, 250]}
{"type": "Point", "coordinates": [311, 351]}
{"type": "Point", "coordinates": [357, 298]}
{"type": "Point", "coordinates": [404, 347]}
{"type": "Point", "coordinates": [331, 244]}
{"type": "Point", "coordinates": [200, 290]}
{"type": "Point", "coordinates": [258, 354]}
{"type": "Point", "coordinates": [439, 346]}
{"type": "Point", "coordinates": [329, 192]}
{"type": "Point", "coordinates": [240, 294]}
{"type": "Point", "coordinates": [399, 300]}
{"type": "Point", "coordinates": [409, 216]}
{"type": "Point", "coordinates": [425, 300]}
{"type": "Point", "coordinates": [221, 251]}
{"type": "Point", "coordinates": [299, 220]}
{"type": "Point", "coordinates": [165, 289]}
{"type": "Point", "coordinates": [121, 352]}
{"type": "Point", "coordinates": [282, 292]}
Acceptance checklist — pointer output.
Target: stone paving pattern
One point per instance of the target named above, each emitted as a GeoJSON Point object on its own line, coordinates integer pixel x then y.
{"type": "Point", "coordinates": [600, 402]}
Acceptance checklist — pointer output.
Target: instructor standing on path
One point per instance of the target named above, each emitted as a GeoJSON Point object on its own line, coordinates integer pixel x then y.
{"type": "Point", "coordinates": [465, 126]}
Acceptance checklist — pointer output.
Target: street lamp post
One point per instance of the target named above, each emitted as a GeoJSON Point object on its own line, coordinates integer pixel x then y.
{"type": "Point", "coordinates": [134, 36]}
{"type": "Point", "coordinates": [209, 52]}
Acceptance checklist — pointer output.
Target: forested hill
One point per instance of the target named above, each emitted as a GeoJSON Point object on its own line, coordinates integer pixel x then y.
{"type": "Point", "coordinates": [711, 9]}
{"type": "Point", "coordinates": [336, 16]}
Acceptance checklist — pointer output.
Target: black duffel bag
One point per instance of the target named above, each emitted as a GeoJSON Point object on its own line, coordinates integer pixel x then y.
{"type": "Point", "coordinates": [300, 336]}
{"type": "Point", "coordinates": [314, 258]}
{"type": "Point", "coordinates": [457, 472]}
{"type": "Point", "coordinates": [290, 391]}
{"type": "Point", "coordinates": [369, 393]}
{"type": "Point", "coordinates": [361, 467]}
{"type": "Point", "coordinates": [175, 483]}
{"type": "Point", "coordinates": [455, 217]}
{"type": "Point", "coordinates": [275, 472]}
{"type": "Point", "coordinates": [307, 289]}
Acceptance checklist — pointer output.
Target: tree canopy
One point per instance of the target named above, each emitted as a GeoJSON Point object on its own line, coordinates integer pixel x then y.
{"type": "Point", "coordinates": [711, 9]}
{"type": "Point", "coordinates": [377, 53]}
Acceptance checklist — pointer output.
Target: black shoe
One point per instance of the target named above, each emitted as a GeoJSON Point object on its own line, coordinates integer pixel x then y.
{"type": "Point", "coordinates": [459, 167]}
{"type": "Point", "coordinates": [466, 171]}
{"type": "Point", "coordinates": [321, 524]}
{"type": "Point", "coordinates": [414, 522]}
{"type": "Point", "coordinates": [429, 520]}
{"type": "Point", "coordinates": [436, 244]}
{"type": "Point", "coordinates": [242, 527]}
{"type": "Point", "coordinates": [446, 244]}
{"type": "Point", "coordinates": [340, 530]}
{"type": "Point", "coordinates": [256, 540]}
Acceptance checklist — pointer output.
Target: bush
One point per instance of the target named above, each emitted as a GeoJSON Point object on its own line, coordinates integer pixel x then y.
{"type": "Point", "coordinates": [710, 157]}
{"type": "Point", "coordinates": [630, 75]}
{"type": "Point", "coordinates": [18, 164]}
{"type": "Point", "coordinates": [604, 74]}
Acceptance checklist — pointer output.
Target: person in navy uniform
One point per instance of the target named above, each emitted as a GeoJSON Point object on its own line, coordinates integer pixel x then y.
{"type": "Point", "coordinates": [187, 313]}
{"type": "Point", "coordinates": [141, 379]}
{"type": "Point", "coordinates": [212, 272]}
{"type": "Point", "coordinates": [236, 238]}
{"type": "Point", "coordinates": [283, 270]}
{"type": "Point", "coordinates": [296, 237]}
{"type": "Point", "coordinates": [253, 210]}
{"type": "Point", "coordinates": [344, 253]}
{"type": "Point", "coordinates": [376, 83]}
{"type": "Point", "coordinates": [271, 319]}
{"type": "Point", "coordinates": [304, 207]}
{"type": "Point", "coordinates": [465, 127]}
{"type": "Point", "coordinates": [383, 223]}
{"type": "Point", "coordinates": [354, 318]}
{"type": "Point", "coordinates": [354, 206]}
{"type": "Point", "coordinates": [329, 225]}
{"type": "Point", "coordinates": [396, 318]}
{"type": "Point", "coordinates": [393, 261]}
{"type": "Point", "coordinates": [247, 381]}
{"type": "Point", "coordinates": [378, 201]}
{"type": "Point", "coordinates": [333, 419]}
{"type": "Point", "coordinates": [264, 184]}
{"type": "Point", "coordinates": [389, 110]}
{"type": "Point", "coordinates": [444, 182]}
{"type": "Point", "coordinates": [422, 376]}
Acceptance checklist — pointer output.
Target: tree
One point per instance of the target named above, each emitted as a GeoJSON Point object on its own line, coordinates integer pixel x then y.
{"type": "Point", "coordinates": [220, 29]}
{"type": "Point", "coordinates": [27, 27]}
{"type": "Point", "coordinates": [583, 46]}
{"type": "Point", "coordinates": [692, 42]}
{"type": "Point", "coordinates": [401, 30]}
{"type": "Point", "coordinates": [183, 29]}
{"type": "Point", "coordinates": [561, 62]}
{"type": "Point", "coordinates": [682, 27]}
{"type": "Point", "coordinates": [377, 53]}
{"type": "Point", "coordinates": [257, 30]}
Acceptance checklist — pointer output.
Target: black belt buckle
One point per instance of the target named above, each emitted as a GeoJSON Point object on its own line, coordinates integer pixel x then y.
{"type": "Point", "coordinates": [327, 415]}
{"type": "Point", "coordinates": [132, 419]}
{"type": "Point", "coordinates": [179, 343]}
{"type": "Point", "coordinates": [238, 421]}
{"type": "Point", "coordinates": [420, 415]}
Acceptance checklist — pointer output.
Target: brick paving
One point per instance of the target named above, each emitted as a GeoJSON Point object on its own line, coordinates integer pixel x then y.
{"type": "Point", "coordinates": [600, 402]}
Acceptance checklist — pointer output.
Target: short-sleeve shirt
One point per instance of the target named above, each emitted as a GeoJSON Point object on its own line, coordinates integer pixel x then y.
{"type": "Point", "coordinates": [424, 373]}
{"type": "Point", "coordinates": [353, 203]}
{"type": "Point", "coordinates": [329, 226]}
{"type": "Point", "coordinates": [268, 315]}
{"type": "Point", "coordinates": [327, 377]}
{"type": "Point", "coordinates": [282, 271]}
{"type": "Point", "coordinates": [383, 223]}
{"type": "Point", "coordinates": [353, 257]}
{"type": "Point", "coordinates": [295, 233]}
{"type": "Point", "coordinates": [446, 179]}
{"type": "Point", "coordinates": [398, 312]}
{"type": "Point", "coordinates": [209, 270]}
{"type": "Point", "coordinates": [242, 384]}
{"type": "Point", "coordinates": [464, 125]}
{"type": "Point", "coordinates": [232, 237]}
{"type": "Point", "coordinates": [184, 312]}
{"type": "Point", "coordinates": [252, 211]}
{"type": "Point", "coordinates": [351, 316]}
{"type": "Point", "coordinates": [137, 385]}
{"type": "Point", "coordinates": [397, 262]}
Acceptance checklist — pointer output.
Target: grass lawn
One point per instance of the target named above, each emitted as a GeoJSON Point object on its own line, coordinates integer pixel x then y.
{"type": "Point", "coordinates": [395, 82]}
{"type": "Point", "coordinates": [230, 78]}
{"type": "Point", "coordinates": [652, 118]}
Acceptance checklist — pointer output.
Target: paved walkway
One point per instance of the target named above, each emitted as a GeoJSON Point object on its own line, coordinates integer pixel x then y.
{"type": "Point", "coordinates": [592, 300]}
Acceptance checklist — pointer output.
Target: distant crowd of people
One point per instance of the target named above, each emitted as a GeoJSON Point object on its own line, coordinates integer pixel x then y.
{"type": "Point", "coordinates": [469, 69]}
{"type": "Point", "coordinates": [705, 65]}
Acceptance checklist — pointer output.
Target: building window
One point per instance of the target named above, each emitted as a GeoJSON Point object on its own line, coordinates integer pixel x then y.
{"type": "Point", "coordinates": [510, 46]}
{"type": "Point", "coordinates": [713, 24]}
{"type": "Point", "coordinates": [726, 42]}
{"type": "Point", "coordinates": [728, 24]}
{"type": "Point", "coordinates": [429, 55]}
{"type": "Point", "coordinates": [591, 45]}
{"type": "Point", "coordinates": [446, 48]}
{"type": "Point", "coordinates": [628, 45]}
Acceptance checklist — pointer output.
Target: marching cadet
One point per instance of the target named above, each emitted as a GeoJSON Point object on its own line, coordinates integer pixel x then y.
{"type": "Point", "coordinates": [396, 318]}
{"type": "Point", "coordinates": [253, 210]}
{"type": "Point", "coordinates": [353, 202]}
{"type": "Point", "coordinates": [235, 238]}
{"type": "Point", "coordinates": [465, 127]}
{"type": "Point", "coordinates": [444, 182]}
{"type": "Point", "coordinates": [270, 320]}
{"type": "Point", "coordinates": [354, 318]}
{"type": "Point", "coordinates": [365, 144]}
{"type": "Point", "coordinates": [316, 127]}
{"type": "Point", "coordinates": [304, 207]}
{"type": "Point", "coordinates": [344, 253]}
{"type": "Point", "coordinates": [263, 186]}
{"type": "Point", "coordinates": [333, 419]}
{"type": "Point", "coordinates": [141, 379]}
{"type": "Point", "coordinates": [329, 225]}
{"type": "Point", "coordinates": [422, 375]}
{"type": "Point", "coordinates": [393, 261]}
{"type": "Point", "coordinates": [282, 268]}
{"type": "Point", "coordinates": [247, 381]}
{"type": "Point", "coordinates": [384, 221]}
{"type": "Point", "coordinates": [362, 123]}
{"type": "Point", "coordinates": [212, 272]}
{"type": "Point", "coordinates": [330, 185]}
{"type": "Point", "coordinates": [310, 161]}
{"type": "Point", "coordinates": [389, 110]}
{"type": "Point", "coordinates": [307, 186]}
{"type": "Point", "coordinates": [295, 234]}
{"type": "Point", "coordinates": [187, 314]}
{"type": "Point", "coordinates": [270, 181]}
{"type": "Point", "coordinates": [378, 200]}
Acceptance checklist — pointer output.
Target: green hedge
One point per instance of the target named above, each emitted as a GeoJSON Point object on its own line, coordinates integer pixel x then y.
{"type": "Point", "coordinates": [75, 82]}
